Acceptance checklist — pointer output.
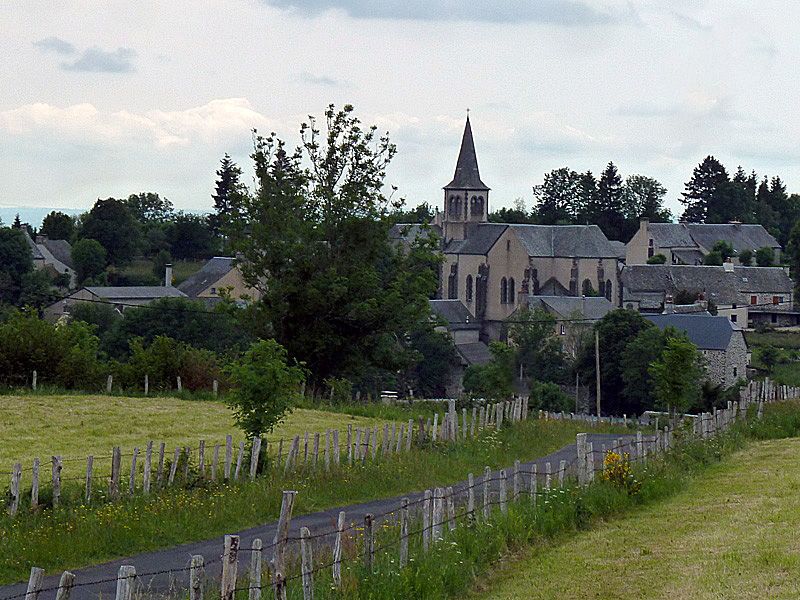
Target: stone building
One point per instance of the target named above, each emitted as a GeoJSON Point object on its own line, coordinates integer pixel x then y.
{"type": "Point", "coordinates": [720, 341]}
{"type": "Point", "coordinates": [219, 277]}
{"type": "Point", "coordinates": [493, 267]}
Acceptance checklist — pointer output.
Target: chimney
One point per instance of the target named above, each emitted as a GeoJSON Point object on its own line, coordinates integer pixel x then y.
{"type": "Point", "coordinates": [168, 275]}
{"type": "Point", "coordinates": [728, 266]}
{"type": "Point", "coordinates": [669, 305]}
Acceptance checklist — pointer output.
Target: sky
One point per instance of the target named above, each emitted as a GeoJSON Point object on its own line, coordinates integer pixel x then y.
{"type": "Point", "coordinates": [105, 98]}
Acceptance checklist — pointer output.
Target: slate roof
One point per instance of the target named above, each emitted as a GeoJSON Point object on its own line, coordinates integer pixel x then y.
{"type": "Point", "coordinates": [619, 247]}
{"type": "Point", "coordinates": [719, 285]}
{"type": "Point", "coordinates": [567, 241]}
{"type": "Point", "coordinates": [690, 235]}
{"type": "Point", "coordinates": [135, 292]}
{"type": "Point", "coordinates": [467, 176]}
{"type": "Point", "coordinates": [61, 251]}
{"type": "Point", "coordinates": [591, 307]}
{"type": "Point", "coordinates": [35, 251]}
{"type": "Point", "coordinates": [209, 273]}
{"type": "Point", "coordinates": [480, 241]}
{"type": "Point", "coordinates": [475, 353]}
{"type": "Point", "coordinates": [704, 331]}
{"type": "Point", "coordinates": [454, 313]}
{"type": "Point", "coordinates": [690, 257]}
{"type": "Point", "coordinates": [407, 233]}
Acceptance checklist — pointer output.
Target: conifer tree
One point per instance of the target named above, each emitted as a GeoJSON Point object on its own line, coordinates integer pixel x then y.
{"type": "Point", "coordinates": [226, 186]}
{"type": "Point", "coordinates": [609, 199]}
{"type": "Point", "coordinates": [705, 192]}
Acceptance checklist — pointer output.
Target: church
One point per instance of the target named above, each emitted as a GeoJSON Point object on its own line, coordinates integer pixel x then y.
{"type": "Point", "coordinates": [496, 268]}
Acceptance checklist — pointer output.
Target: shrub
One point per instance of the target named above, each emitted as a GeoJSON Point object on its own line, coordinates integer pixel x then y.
{"type": "Point", "coordinates": [340, 391]}
{"type": "Point", "coordinates": [657, 259]}
{"type": "Point", "coordinates": [549, 396]}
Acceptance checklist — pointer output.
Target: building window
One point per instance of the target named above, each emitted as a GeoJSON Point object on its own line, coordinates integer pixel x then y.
{"type": "Point", "coordinates": [563, 329]}
{"type": "Point", "coordinates": [777, 299]}
{"type": "Point", "coordinates": [608, 290]}
{"type": "Point", "coordinates": [650, 252]}
{"type": "Point", "coordinates": [213, 291]}
{"type": "Point", "coordinates": [586, 288]}
{"type": "Point", "coordinates": [733, 305]}
{"type": "Point", "coordinates": [503, 291]}
{"type": "Point", "coordinates": [469, 288]}
{"type": "Point", "coordinates": [753, 299]}
{"type": "Point", "coordinates": [512, 293]}
{"type": "Point", "coordinates": [733, 318]}
{"type": "Point", "coordinates": [508, 245]}
{"type": "Point", "coordinates": [774, 318]}
{"type": "Point", "coordinates": [734, 371]}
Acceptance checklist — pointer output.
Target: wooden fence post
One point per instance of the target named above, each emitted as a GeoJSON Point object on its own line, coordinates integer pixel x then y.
{"type": "Point", "coordinates": [426, 520]}
{"type": "Point", "coordinates": [35, 484]}
{"type": "Point", "coordinates": [515, 481]}
{"type": "Point", "coordinates": [228, 456]}
{"type": "Point", "coordinates": [409, 433]}
{"type": "Point", "coordinates": [215, 463]}
{"type": "Point", "coordinates": [196, 575]}
{"type": "Point", "coordinates": [487, 475]}
{"type": "Point", "coordinates": [160, 474]}
{"type": "Point", "coordinates": [65, 585]}
{"type": "Point", "coordinates": [471, 497]}
{"type": "Point", "coordinates": [89, 469]}
{"type": "Point", "coordinates": [239, 456]}
{"type": "Point", "coordinates": [369, 541]}
{"type": "Point", "coordinates": [327, 453]}
{"type": "Point", "coordinates": [562, 470]}
{"type": "Point", "coordinates": [180, 384]}
{"type": "Point", "coordinates": [109, 384]}
{"type": "Point", "coordinates": [315, 455]}
{"type": "Point", "coordinates": [451, 508]}
{"type": "Point", "coordinates": [56, 480]}
{"type": "Point", "coordinates": [350, 444]}
{"type": "Point", "coordinates": [307, 564]}
{"type": "Point", "coordinates": [403, 532]}
{"type": "Point", "coordinates": [215, 388]}
{"type": "Point", "coordinates": [146, 384]}
{"type": "Point", "coordinates": [116, 465]}
{"type": "Point", "coordinates": [148, 467]}
{"type": "Point", "coordinates": [34, 583]}
{"type": "Point", "coordinates": [337, 551]}
{"type": "Point", "coordinates": [580, 444]}
{"type": "Point", "coordinates": [132, 481]}
{"type": "Point", "coordinates": [255, 570]}
{"type": "Point", "coordinates": [125, 580]}
{"type": "Point", "coordinates": [534, 483]}
{"type": "Point", "coordinates": [34, 380]}
{"type": "Point", "coordinates": [435, 427]}
{"type": "Point", "coordinates": [436, 526]}
{"type": "Point", "coordinates": [336, 449]}
{"type": "Point", "coordinates": [230, 563]}
{"type": "Point", "coordinates": [255, 454]}
{"type": "Point", "coordinates": [472, 423]}
{"type": "Point", "coordinates": [174, 466]}
{"type": "Point", "coordinates": [374, 447]}
{"type": "Point", "coordinates": [201, 459]}
{"type": "Point", "coordinates": [548, 477]}
{"type": "Point", "coordinates": [16, 477]}
{"type": "Point", "coordinates": [282, 534]}
{"type": "Point", "coordinates": [503, 491]}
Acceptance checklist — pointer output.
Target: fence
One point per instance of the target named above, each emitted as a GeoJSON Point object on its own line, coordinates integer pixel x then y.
{"type": "Point", "coordinates": [106, 478]}
{"type": "Point", "coordinates": [434, 513]}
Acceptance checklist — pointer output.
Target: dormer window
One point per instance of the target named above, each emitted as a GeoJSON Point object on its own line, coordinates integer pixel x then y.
{"type": "Point", "coordinates": [213, 291]}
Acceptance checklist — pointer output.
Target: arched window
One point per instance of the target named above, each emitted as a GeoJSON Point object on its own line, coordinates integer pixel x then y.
{"type": "Point", "coordinates": [586, 288]}
{"type": "Point", "coordinates": [469, 288]}
{"type": "Point", "coordinates": [511, 291]}
{"type": "Point", "coordinates": [473, 206]}
{"type": "Point", "coordinates": [608, 289]}
{"type": "Point", "coordinates": [479, 206]}
{"type": "Point", "coordinates": [503, 291]}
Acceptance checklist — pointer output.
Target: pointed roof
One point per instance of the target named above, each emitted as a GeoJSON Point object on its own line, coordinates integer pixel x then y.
{"type": "Point", "coordinates": [467, 176]}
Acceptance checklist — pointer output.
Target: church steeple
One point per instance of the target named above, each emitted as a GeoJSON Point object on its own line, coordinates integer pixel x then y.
{"type": "Point", "coordinates": [466, 197]}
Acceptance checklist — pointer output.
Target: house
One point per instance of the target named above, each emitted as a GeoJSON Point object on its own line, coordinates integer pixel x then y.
{"type": "Point", "coordinates": [688, 243]}
{"type": "Point", "coordinates": [218, 277]}
{"type": "Point", "coordinates": [120, 297]}
{"type": "Point", "coordinates": [53, 255]}
{"type": "Point", "coordinates": [573, 315]}
{"type": "Point", "coordinates": [740, 293]}
{"type": "Point", "coordinates": [720, 341]}
{"type": "Point", "coordinates": [492, 267]}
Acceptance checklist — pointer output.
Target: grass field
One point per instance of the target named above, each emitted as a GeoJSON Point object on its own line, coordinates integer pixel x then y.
{"type": "Point", "coordinates": [76, 426]}
{"type": "Point", "coordinates": [731, 533]}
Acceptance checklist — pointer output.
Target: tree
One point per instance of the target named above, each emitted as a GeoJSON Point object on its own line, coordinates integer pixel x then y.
{"type": "Point", "coordinates": [677, 374]}
{"type": "Point", "coordinates": [538, 350]}
{"type": "Point", "coordinates": [160, 262]}
{"type": "Point", "coordinates": [769, 356]}
{"type": "Point", "coordinates": [423, 213]}
{"type": "Point", "coordinates": [339, 295]}
{"type": "Point", "coordinates": [15, 262]}
{"type": "Point", "coordinates": [684, 297]}
{"type": "Point", "coordinates": [516, 214]}
{"type": "Point", "coordinates": [149, 208]}
{"type": "Point", "coordinates": [58, 226]}
{"type": "Point", "coordinates": [642, 350]}
{"type": "Point", "coordinates": [437, 356]}
{"type": "Point", "coordinates": [610, 203]}
{"type": "Point", "coordinates": [266, 384]}
{"type": "Point", "coordinates": [657, 259]}
{"type": "Point", "coordinates": [225, 188]}
{"type": "Point", "coordinates": [724, 249]}
{"type": "Point", "coordinates": [587, 209]}
{"type": "Point", "coordinates": [493, 380]}
{"type": "Point", "coordinates": [793, 251]}
{"type": "Point", "coordinates": [556, 198]}
{"type": "Point", "coordinates": [765, 257]}
{"type": "Point", "coordinates": [112, 223]}
{"type": "Point", "coordinates": [713, 258]}
{"type": "Point", "coordinates": [705, 192]}
{"type": "Point", "coordinates": [37, 289]}
{"type": "Point", "coordinates": [190, 237]}
{"type": "Point", "coordinates": [89, 258]}
{"type": "Point", "coordinates": [643, 197]}
{"type": "Point", "coordinates": [746, 258]}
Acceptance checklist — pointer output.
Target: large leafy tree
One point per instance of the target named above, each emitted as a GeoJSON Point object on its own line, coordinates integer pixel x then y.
{"type": "Point", "coordinates": [677, 374]}
{"type": "Point", "coordinates": [149, 208]}
{"type": "Point", "coordinates": [636, 358]}
{"type": "Point", "coordinates": [556, 197]}
{"type": "Point", "coordinates": [58, 226]}
{"type": "Point", "coordinates": [112, 223]}
{"type": "Point", "coordinates": [16, 261]}
{"type": "Point", "coordinates": [90, 259]}
{"type": "Point", "coordinates": [314, 240]}
{"type": "Point", "coordinates": [643, 197]}
{"type": "Point", "coordinates": [539, 352]}
{"type": "Point", "coordinates": [190, 236]}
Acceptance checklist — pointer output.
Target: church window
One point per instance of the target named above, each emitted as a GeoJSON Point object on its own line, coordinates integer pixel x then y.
{"type": "Point", "coordinates": [503, 291]}
{"type": "Point", "coordinates": [511, 291]}
{"type": "Point", "coordinates": [608, 289]}
{"type": "Point", "coordinates": [469, 288]}
{"type": "Point", "coordinates": [586, 288]}
{"type": "Point", "coordinates": [452, 283]}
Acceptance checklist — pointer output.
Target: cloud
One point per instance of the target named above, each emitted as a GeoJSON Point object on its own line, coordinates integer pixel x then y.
{"type": "Point", "coordinates": [322, 80]}
{"type": "Point", "coordinates": [553, 12]}
{"type": "Point", "coordinates": [96, 60]}
{"type": "Point", "coordinates": [229, 119]}
{"type": "Point", "coordinates": [54, 44]}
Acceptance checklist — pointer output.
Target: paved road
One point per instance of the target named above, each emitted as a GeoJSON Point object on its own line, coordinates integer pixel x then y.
{"type": "Point", "coordinates": [170, 564]}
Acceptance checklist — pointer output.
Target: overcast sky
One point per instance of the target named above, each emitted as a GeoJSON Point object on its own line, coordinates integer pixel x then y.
{"type": "Point", "coordinates": [104, 98]}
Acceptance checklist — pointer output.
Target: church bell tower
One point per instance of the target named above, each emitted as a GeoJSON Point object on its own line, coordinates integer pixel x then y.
{"type": "Point", "coordinates": [466, 198]}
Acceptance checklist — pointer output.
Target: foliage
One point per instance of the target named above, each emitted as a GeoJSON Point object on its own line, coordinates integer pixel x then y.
{"type": "Point", "coordinates": [493, 380]}
{"type": "Point", "coordinates": [538, 349]}
{"type": "Point", "coordinates": [643, 198]}
{"type": "Point", "coordinates": [339, 391]}
{"type": "Point", "coordinates": [637, 356]}
{"type": "Point", "coordinates": [338, 295]}
{"type": "Point", "coordinates": [90, 259]}
{"type": "Point", "coordinates": [190, 236]}
{"type": "Point", "coordinates": [765, 257]}
{"type": "Point", "coordinates": [549, 396]}
{"type": "Point", "coordinates": [15, 262]}
{"type": "Point", "coordinates": [58, 226]}
{"type": "Point", "coordinates": [422, 213]}
{"type": "Point", "coordinates": [114, 226]}
{"type": "Point", "coordinates": [430, 375]}
{"type": "Point", "coordinates": [746, 258]}
{"type": "Point", "coordinates": [677, 374]}
{"type": "Point", "coordinates": [684, 297]}
{"type": "Point", "coordinates": [713, 258]}
{"type": "Point", "coordinates": [160, 262]}
{"type": "Point", "coordinates": [149, 208]}
{"type": "Point", "coordinates": [769, 357]}
{"type": "Point", "coordinates": [724, 248]}
{"type": "Point", "coordinates": [610, 217]}
{"type": "Point", "coordinates": [657, 259]}
{"type": "Point", "coordinates": [617, 471]}
{"type": "Point", "coordinates": [266, 386]}
{"type": "Point", "coordinates": [226, 187]}
{"type": "Point", "coordinates": [37, 289]}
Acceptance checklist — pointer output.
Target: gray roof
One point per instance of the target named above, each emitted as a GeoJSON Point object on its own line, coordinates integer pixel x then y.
{"type": "Point", "coordinates": [37, 254]}
{"type": "Point", "coordinates": [480, 241]}
{"type": "Point", "coordinates": [619, 247]}
{"type": "Point", "coordinates": [209, 273]}
{"type": "Point", "coordinates": [61, 250]}
{"type": "Point", "coordinates": [567, 241]}
{"type": "Point", "coordinates": [467, 176]}
{"type": "Point", "coordinates": [475, 353]}
{"type": "Point", "coordinates": [135, 292]}
{"type": "Point", "coordinates": [454, 313]}
{"type": "Point", "coordinates": [703, 330]}
{"type": "Point", "coordinates": [688, 235]}
{"type": "Point", "coordinates": [408, 233]}
{"type": "Point", "coordinates": [591, 307]}
{"type": "Point", "coordinates": [689, 256]}
{"type": "Point", "coordinates": [717, 284]}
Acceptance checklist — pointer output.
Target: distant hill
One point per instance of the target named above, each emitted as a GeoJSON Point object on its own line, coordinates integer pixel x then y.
{"type": "Point", "coordinates": [33, 215]}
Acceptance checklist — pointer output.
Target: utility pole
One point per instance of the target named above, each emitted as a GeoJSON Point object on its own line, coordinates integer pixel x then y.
{"type": "Point", "coordinates": [597, 366]}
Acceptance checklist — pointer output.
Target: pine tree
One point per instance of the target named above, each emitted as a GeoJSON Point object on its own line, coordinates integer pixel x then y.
{"type": "Point", "coordinates": [705, 192]}
{"type": "Point", "coordinates": [587, 210]}
{"type": "Point", "coordinates": [17, 223]}
{"type": "Point", "coordinates": [609, 200]}
{"type": "Point", "coordinates": [227, 184]}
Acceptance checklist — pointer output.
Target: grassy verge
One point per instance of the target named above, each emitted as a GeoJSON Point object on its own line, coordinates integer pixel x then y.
{"type": "Point", "coordinates": [75, 426]}
{"type": "Point", "coordinates": [70, 538]}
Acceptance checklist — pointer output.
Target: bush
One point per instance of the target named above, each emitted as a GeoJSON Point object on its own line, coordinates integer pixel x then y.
{"type": "Point", "coordinates": [339, 391]}
{"type": "Point", "coordinates": [549, 396]}
{"type": "Point", "coordinates": [657, 259]}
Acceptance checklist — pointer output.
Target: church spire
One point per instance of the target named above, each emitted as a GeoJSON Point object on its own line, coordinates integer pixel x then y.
{"type": "Point", "coordinates": [467, 176]}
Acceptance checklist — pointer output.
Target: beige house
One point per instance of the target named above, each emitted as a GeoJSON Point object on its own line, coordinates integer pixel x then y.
{"type": "Point", "coordinates": [217, 278]}
{"type": "Point", "coordinates": [120, 297]}
{"type": "Point", "coordinates": [492, 267]}
{"type": "Point", "coordinates": [688, 243]}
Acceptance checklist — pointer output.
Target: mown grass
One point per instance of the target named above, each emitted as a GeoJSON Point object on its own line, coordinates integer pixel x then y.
{"type": "Point", "coordinates": [74, 537]}
{"type": "Point", "coordinates": [779, 339]}
{"type": "Point", "coordinates": [74, 426]}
